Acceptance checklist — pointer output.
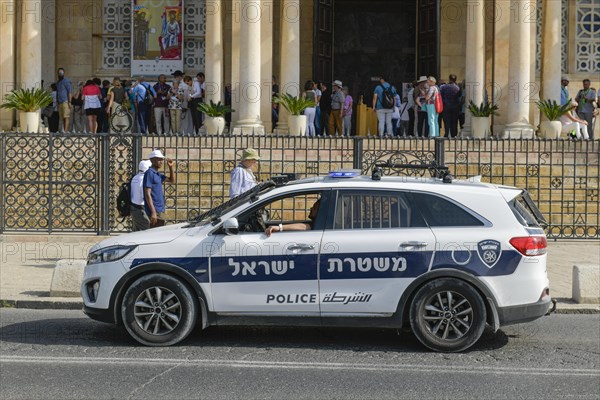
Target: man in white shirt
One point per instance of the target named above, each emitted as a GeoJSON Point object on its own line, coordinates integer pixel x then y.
{"type": "Point", "coordinates": [138, 215]}
{"type": "Point", "coordinates": [196, 98]}
{"type": "Point", "coordinates": [242, 177]}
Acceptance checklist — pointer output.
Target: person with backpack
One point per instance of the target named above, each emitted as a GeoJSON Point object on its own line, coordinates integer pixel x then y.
{"type": "Point", "coordinates": [116, 96]}
{"type": "Point", "coordinates": [139, 219]}
{"type": "Point", "coordinates": [384, 99]}
{"type": "Point", "coordinates": [144, 98]}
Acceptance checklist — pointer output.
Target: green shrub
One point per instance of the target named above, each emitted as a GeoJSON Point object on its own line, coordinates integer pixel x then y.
{"type": "Point", "coordinates": [27, 100]}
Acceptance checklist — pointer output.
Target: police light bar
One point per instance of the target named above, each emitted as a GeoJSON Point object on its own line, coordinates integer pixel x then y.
{"type": "Point", "coordinates": [344, 173]}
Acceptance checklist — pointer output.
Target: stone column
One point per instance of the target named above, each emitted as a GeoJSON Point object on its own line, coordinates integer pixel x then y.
{"type": "Point", "coordinates": [235, 15]}
{"type": "Point", "coordinates": [475, 59]}
{"type": "Point", "coordinates": [266, 68]}
{"type": "Point", "coordinates": [49, 42]}
{"type": "Point", "coordinates": [290, 56]}
{"type": "Point", "coordinates": [8, 19]}
{"type": "Point", "coordinates": [30, 43]}
{"type": "Point", "coordinates": [551, 49]}
{"type": "Point", "coordinates": [214, 51]}
{"type": "Point", "coordinates": [250, 97]}
{"type": "Point", "coordinates": [519, 78]}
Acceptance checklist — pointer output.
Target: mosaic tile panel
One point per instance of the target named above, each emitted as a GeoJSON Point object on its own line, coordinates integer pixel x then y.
{"type": "Point", "coordinates": [588, 36]}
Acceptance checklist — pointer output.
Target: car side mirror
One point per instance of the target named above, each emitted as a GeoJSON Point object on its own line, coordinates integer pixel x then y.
{"type": "Point", "coordinates": [231, 226]}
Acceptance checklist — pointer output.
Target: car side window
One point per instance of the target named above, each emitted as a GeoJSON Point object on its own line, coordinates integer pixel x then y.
{"type": "Point", "coordinates": [439, 211]}
{"type": "Point", "coordinates": [375, 210]}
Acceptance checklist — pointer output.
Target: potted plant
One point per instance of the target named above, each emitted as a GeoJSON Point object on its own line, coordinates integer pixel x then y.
{"type": "Point", "coordinates": [552, 127]}
{"type": "Point", "coordinates": [295, 105]}
{"type": "Point", "coordinates": [480, 121]}
{"type": "Point", "coordinates": [28, 102]}
{"type": "Point", "coordinates": [215, 116]}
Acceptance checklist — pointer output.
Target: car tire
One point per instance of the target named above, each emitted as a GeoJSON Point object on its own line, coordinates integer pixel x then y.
{"type": "Point", "coordinates": [447, 315]}
{"type": "Point", "coordinates": [159, 310]}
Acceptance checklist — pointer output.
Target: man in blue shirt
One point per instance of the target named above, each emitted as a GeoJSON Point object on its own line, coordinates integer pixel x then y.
{"type": "Point", "coordinates": [564, 92]}
{"type": "Point", "coordinates": [63, 98]}
{"type": "Point", "coordinates": [451, 93]}
{"type": "Point", "coordinates": [154, 196]}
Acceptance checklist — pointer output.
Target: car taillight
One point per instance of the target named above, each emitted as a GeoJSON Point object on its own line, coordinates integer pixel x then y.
{"type": "Point", "coordinates": [530, 245]}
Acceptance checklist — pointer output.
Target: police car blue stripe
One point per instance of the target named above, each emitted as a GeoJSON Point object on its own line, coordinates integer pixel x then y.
{"type": "Point", "coordinates": [339, 266]}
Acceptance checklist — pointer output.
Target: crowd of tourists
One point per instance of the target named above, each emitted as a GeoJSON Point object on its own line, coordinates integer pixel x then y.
{"type": "Point", "coordinates": [419, 109]}
{"type": "Point", "coordinates": [103, 106]}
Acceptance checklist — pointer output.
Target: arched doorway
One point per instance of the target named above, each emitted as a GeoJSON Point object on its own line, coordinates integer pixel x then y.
{"type": "Point", "coordinates": [357, 41]}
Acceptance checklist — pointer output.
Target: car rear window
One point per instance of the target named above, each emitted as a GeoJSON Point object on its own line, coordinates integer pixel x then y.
{"type": "Point", "coordinates": [526, 211]}
{"type": "Point", "coordinates": [440, 212]}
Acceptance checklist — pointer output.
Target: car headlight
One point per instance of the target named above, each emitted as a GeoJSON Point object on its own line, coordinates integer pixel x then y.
{"type": "Point", "coordinates": [108, 254]}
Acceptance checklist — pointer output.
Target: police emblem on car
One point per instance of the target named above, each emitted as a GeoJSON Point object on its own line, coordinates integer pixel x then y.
{"type": "Point", "coordinates": [489, 252]}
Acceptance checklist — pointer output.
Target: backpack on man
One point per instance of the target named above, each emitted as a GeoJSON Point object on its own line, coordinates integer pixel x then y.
{"type": "Point", "coordinates": [149, 97]}
{"type": "Point", "coordinates": [388, 99]}
{"type": "Point", "coordinates": [124, 200]}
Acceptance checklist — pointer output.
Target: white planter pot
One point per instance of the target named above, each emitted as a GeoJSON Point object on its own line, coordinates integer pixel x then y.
{"type": "Point", "coordinates": [29, 121]}
{"type": "Point", "coordinates": [214, 125]}
{"type": "Point", "coordinates": [297, 125]}
{"type": "Point", "coordinates": [480, 127]}
{"type": "Point", "coordinates": [550, 129]}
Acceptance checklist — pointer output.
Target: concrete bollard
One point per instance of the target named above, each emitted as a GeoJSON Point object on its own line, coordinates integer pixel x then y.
{"type": "Point", "coordinates": [586, 283]}
{"type": "Point", "coordinates": [67, 277]}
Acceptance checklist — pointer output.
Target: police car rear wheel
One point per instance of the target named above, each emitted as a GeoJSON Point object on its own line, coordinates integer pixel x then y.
{"type": "Point", "coordinates": [447, 315]}
{"type": "Point", "coordinates": [158, 310]}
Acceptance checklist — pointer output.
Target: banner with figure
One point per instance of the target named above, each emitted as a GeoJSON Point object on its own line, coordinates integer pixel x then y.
{"type": "Point", "coordinates": [157, 37]}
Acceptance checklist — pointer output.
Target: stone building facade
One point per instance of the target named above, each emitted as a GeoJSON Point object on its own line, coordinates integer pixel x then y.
{"type": "Point", "coordinates": [516, 49]}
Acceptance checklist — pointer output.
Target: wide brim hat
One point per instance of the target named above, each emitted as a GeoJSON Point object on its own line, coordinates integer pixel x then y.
{"type": "Point", "coordinates": [422, 79]}
{"type": "Point", "coordinates": [337, 83]}
{"type": "Point", "coordinates": [250, 154]}
{"type": "Point", "coordinates": [156, 154]}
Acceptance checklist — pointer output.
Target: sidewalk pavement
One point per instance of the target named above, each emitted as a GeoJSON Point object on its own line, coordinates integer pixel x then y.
{"type": "Point", "coordinates": [27, 265]}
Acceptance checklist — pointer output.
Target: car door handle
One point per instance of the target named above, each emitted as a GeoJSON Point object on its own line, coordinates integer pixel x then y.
{"type": "Point", "coordinates": [301, 246]}
{"type": "Point", "coordinates": [417, 245]}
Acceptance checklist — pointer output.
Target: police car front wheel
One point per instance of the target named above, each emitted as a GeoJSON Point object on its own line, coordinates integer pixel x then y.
{"type": "Point", "coordinates": [158, 310]}
{"type": "Point", "coordinates": [447, 315]}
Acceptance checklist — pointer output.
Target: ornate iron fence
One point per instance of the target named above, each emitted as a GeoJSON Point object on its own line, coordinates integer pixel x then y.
{"type": "Point", "coordinates": [69, 183]}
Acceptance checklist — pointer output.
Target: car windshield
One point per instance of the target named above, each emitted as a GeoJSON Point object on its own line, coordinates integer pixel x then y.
{"type": "Point", "coordinates": [216, 212]}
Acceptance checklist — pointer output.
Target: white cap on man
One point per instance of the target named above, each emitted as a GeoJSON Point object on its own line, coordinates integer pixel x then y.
{"type": "Point", "coordinates": [144, 165]}
{"type": "Point", "coordinates": [156, 154]}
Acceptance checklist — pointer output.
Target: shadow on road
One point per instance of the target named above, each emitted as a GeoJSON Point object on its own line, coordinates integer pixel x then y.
{"type": "Point", "coordinates": [85, 332]}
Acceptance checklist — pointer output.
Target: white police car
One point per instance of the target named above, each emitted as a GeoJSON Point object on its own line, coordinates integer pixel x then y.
{"type": "Point", "coordinates": [442, 257]}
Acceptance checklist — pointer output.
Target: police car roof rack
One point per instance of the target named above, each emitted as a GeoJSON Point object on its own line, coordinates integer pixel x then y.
{"type": "Point", "coordinates": [436, 170]}
{"type": "Point", "coordinates": [283, 178]}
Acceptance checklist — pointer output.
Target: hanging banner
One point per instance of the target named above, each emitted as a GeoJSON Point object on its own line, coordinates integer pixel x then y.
{"type": "Point", "coordinates": [157, 37]}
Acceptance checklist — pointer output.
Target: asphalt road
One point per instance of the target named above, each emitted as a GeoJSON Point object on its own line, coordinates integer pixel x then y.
{"type": "Point", "coordinates": [64, 355]}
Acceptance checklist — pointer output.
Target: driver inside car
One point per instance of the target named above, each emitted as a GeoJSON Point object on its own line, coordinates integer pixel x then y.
{"type": "Point", "coordinates": [300, 226]}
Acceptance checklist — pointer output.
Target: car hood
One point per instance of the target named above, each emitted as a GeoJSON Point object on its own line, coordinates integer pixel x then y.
{"type": "Point", "coordinates": [163, 234]}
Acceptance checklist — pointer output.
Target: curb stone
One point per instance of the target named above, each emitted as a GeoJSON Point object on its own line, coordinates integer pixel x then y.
{"type": "Point", "coordinates": [42, 304]}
